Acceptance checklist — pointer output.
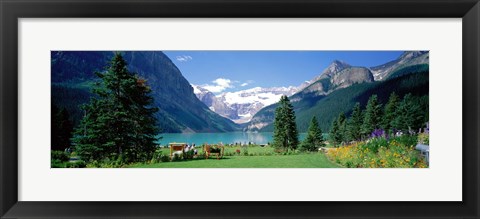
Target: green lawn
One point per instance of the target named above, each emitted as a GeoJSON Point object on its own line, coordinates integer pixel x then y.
{"type": "Point", "coordinates": [314, 160]}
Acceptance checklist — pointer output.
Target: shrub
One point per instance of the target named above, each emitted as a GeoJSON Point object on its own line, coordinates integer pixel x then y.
{"type": "Point", "coordinates": [57, 164]}
{"type": "Point", "coordinates": [228, 153]}
{"type": "Point", "coordinates": [407, 140]}
{"type": "Point", "coordinates": [188, 155]}
{"type": "Point", "coordinates": [164, 158]}
{"type": "Point", "coordinates": [177, 157]}
{"type": "Point", "coordinates": [106, 163]}
{"type": "Point", "coordinates": [60, 156]}
{"type": "Point", "coordinates": [374, 144]}
{"type": "Point", "coordinates": [59, 159]}
{"type": "Point", "coordinates": [76, 164]}
{"type": "Point", "coordinates": [93, 164]}
{"type": "Point", "coordinates": [279, 150]}
{"type": "Point", "coordinates": [157, 156]}
{"type": "Point", "coordinates": [423, 138]}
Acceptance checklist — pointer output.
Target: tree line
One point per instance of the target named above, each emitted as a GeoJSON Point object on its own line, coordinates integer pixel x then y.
{"type": "Point", "coordinates": [407, 115]}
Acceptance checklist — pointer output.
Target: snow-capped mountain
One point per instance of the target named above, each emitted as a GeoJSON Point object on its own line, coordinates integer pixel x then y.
{"type": "Point", "coordinates": [215, 104]}
{"type": "Point", "coordinates": [241, 106]}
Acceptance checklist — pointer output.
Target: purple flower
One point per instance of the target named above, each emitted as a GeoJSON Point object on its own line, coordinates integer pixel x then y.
{"type": "Point", "coordinates": [378, 133]}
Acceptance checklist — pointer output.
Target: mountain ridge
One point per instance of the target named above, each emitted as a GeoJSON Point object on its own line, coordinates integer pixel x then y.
{"type": "Point", "coordinates": [180, 109]}
{"type": "Point", "coordinates": [340, 75]}
{"type": "Point", "coordinates": [240, 106]}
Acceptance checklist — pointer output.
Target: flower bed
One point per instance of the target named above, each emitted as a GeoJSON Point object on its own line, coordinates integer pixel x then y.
{"type": "Point", "coordinates": [379, 152]}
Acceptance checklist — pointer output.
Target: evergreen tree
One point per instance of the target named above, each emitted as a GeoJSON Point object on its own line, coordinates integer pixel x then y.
{"type": "Point", "coordinates": [389, 112]}
{"type": "Point", "coordinates": [61, 128]}
{"type": "Point", "coordinates": [280, 138]}
{"type": "Point", "coordinates": [55, 129]}
{"type": "Point", "coordinates": [354, 127]}
{"type": "Point", "coordinates": [285, 133]}
{"type": "Point", "coordinates": [334, 134]}
{"type": "Point", "coordinates": [409, 115]}
{"type": "Point", "coordinates": [65, 128]}
{"type": "Point", "coordinates": [424, 105]}
{"type": "Point", "coordinates": [314, 139]}
{"type": "Point", "coordinates": [145, 124]}
{"type": "Point", "coordinates": [373, 116]}
{"type": "Point", "coordinates": [342, 128]}
{"type": "Point", "coordinates": [119, 121]}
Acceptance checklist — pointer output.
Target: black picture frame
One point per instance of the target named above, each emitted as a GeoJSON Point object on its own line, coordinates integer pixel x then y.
{"type": "Point", "coordinates": [12, 10]}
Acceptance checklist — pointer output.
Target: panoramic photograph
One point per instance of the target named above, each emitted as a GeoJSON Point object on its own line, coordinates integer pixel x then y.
{"type": "Point", "coordinates": [239, 109]}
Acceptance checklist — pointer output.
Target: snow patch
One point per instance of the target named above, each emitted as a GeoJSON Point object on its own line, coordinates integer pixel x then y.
{"type": "Point", "coordinates": [195, 89]}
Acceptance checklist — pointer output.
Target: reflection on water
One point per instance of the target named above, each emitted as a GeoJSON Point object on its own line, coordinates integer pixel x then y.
{"type": "Point", "coordinates": [226, 138]}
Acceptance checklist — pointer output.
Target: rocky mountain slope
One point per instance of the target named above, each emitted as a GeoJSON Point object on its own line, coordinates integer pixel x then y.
{"type": "Point", "coordinates": [409, 58]}
{"type": "Point", "coordinates": [240, 106]}
{"type": "Point", "coordinates": [180, 109]}
{"type": "Point", "coordinates": [349, 84]}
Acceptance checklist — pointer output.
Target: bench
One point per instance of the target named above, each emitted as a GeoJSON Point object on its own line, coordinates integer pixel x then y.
{"type": "Point", "coordinates": [174, 147]}
{"type": "Point", "coordinates": [207, 150]}
{"type": "Point", "coordinates": [424, 151]}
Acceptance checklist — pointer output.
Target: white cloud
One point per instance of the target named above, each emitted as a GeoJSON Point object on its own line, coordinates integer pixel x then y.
{"type": "Point", "coordinates": [246, 83]}
{"type": "Point", "coordinates": [219, 85]}
{"type": "Point", "coordinates": [183, 58]}
{"type": "Point", "coordinates": [223, 82]}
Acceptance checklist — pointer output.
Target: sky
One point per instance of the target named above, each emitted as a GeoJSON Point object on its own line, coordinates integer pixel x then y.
{"type": "Point", "coordinates": [226, 71]}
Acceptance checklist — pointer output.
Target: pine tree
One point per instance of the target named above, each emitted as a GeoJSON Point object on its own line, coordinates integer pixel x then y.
{"type": "Point", "coordinates": [424, 105]}
{"type": "Point", "coordinates": [389, 112]}
{"type": "Point", "coordinates": [334, 134]}
{"type": "Point", "coordinates": [373, 116]}
{"type": "Point", "coordinates": [314, 139]}
{"type": "Point", "coordinates": [65, 129]}
{"type": "Point", "coordinates": [354, 127]}
{"type": "Point", "coordinates": [280, 137]}
{"type": "Point", "coordinates": [409, 115]}
{"type": "Point", "coordinates": [144, 125]}
{"type": "Point", "coordinates": [61, 129]}
{"type": "Point", "coordinates": [119, 122]}
{"type": "Point", "coordinates": [342, 128]}
{"type": "Point", "coordinates": [285, 133]}
{"type": "Point", "coordinates": [55, 129]}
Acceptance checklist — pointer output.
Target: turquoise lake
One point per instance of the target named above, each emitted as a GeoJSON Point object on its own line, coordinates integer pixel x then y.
{"type": "Point", "coordinates": [214, 138]}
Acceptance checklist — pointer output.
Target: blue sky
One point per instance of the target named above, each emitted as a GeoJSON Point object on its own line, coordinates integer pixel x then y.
{"type": "Point", "coordinates": [221, 71]}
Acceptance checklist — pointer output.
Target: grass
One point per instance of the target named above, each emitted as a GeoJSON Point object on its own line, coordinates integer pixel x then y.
{"type": "Point", "coordinates": [313, 160]}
